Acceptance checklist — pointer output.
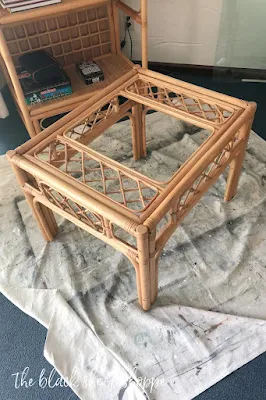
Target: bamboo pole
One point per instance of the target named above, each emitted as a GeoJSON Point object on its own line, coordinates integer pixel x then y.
{"type": "Point", "coordinates": [143, 131]}
{"type": "Point", "coordinates": [107, 228]}
{"type": "Point", "coordinates": [137, 139]}
{"type": "Point", "coordinates": [135, 134]}
{"type": "Point", "coordinates": [37, 126]}
{"type": "Point", "coordinates": [144, 33]}
{"type": "Point", "coordinates": [144, 268]}
{"type": "Point", "coordinates": [112, 28]}
{"type": "Point", "coordinates": [237, 162]}
{"type": "Point", "coordinates": [138, 283]}
{"type": "Point", "coordinates": [44, 217]}
{"type": "Point", "coordinates": [116, 26]}
{"type": "Point", "coordinates": [153, 266]}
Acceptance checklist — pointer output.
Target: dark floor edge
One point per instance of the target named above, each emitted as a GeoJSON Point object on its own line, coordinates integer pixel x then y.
{"type": "Point", "coordinates": [209, 70]}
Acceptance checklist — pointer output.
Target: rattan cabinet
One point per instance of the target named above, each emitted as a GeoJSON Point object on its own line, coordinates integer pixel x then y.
{"type": "Point", "coordinates": [71, 31]}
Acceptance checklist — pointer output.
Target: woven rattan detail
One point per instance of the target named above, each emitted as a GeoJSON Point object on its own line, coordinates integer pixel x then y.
{"type": "Point", "coordinates": [74, 37]}
{"type": "Point", "coordinates": [181, 100]}
{"type": "Point", "coordinates": [131, 192]}
{"type": "Point", "coordinates": [90, 218]}
{"type": "Point", "coordinates": [209, 173]}
{"type": "Point", "coordinates": [92, 121]}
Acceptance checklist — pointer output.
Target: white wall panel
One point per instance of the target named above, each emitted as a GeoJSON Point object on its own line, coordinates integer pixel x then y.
{"type": "Point", "coordinates": [179, 31]}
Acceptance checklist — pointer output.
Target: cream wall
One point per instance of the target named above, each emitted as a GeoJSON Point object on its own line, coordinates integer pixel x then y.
{"type": "Point", "coordinates": [180, 31]}
{"type": "Point", "coordinates": [242, 34]}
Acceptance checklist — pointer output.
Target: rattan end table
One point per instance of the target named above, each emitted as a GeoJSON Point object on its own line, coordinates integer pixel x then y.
{"type": "Point", "coordinates": [59, 172]}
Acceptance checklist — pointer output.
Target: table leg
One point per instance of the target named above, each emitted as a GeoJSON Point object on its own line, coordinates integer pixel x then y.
{"type": "Point", "coordinates": [138, 133]}
{"type": "Point", "coordinates": [237, 162]}
{"type": "Point", "coordinates": [144, 266]}
{"type": "Point", "coordinates": [153, 266]}
{"type": "Point", "coordinates": [43, 215]}
{"type": "Point", "coordinates": [37, 127]}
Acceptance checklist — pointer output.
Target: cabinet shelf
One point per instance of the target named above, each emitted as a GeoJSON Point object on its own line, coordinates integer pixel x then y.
{"type": "Point", "coordinates": [71, 32]}
{"type": "Point", "coordinates": [113, 66]}
{"type": "Point", "coordinates": [7, 18]}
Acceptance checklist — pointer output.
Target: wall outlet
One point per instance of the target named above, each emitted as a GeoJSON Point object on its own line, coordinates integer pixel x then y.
{"type": "Point", "coordinates": [132, 24]}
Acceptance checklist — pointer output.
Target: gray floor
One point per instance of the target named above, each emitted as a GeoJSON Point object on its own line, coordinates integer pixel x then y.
{"type": "Point", "coordinates": [22, 338]}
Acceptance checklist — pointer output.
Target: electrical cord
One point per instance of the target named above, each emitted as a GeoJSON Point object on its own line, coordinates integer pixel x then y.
{"type": "Point", "coordinates": [124, 41]}
{"type": "Point", "coordinates": [130, 37]}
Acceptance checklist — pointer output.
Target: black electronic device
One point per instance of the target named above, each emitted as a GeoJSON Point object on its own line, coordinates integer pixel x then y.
{"type": "Point", "coordinates": [43, 68]}
{"type": "Point", "coordinates": [90, 72]}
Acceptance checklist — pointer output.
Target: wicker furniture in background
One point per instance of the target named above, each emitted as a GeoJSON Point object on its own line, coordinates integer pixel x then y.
{"type": "Point", "coordinates": [59, 172]}
{"type": "Point", "coordinates": [71, 31]}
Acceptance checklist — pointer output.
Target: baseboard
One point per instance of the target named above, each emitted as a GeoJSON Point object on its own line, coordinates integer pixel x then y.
{"type": "Point", "coordinates": [208, 70]}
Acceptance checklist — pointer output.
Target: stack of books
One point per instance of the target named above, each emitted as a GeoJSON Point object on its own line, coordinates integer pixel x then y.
{"type": "Point", "coordinates": [42, 77]}
{"type": "Point", "coordinates": [21, 5]}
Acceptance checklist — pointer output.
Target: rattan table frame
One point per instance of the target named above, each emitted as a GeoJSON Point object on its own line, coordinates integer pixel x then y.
{"type": "Point", "coordinates": [42, 167]}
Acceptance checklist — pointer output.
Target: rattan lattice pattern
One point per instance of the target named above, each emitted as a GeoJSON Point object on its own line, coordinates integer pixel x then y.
{"type": "Point", "coordinates": [131, 192]}
{"type": "Point", "coordinates": [209, 172]}
{"type": "Point", "coordinates": [89, 123]}
{"type": "Point", "coordinates": [181, 100]}
{"type": "Point", "coordinates": [91, 219]}
{"type": "Point", "coordinates": [70, 38]}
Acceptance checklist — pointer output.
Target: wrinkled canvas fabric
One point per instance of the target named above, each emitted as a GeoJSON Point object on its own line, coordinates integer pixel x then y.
{"type": "Point", "coordinates": [210, 315]}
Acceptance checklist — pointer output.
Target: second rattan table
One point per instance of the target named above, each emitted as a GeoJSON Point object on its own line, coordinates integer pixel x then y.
{"type": "Point", "coordinates": [59, 172]}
